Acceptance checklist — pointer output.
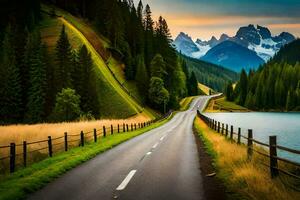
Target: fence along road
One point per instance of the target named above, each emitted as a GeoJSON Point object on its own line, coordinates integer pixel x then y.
{"type": "Point", "coordinates": [160, 164]}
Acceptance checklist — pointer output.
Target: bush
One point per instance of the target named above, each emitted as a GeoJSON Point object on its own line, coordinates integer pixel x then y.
{"type": "Point", "coordinates": [67, 106]}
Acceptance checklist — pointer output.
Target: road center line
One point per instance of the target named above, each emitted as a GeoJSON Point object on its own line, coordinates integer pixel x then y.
{"type": "Point", "coordinates": [154, 146]}
{"type": "Point", "coordinates": [162, 138]}
{"type": "Point", "coordinates": [125, 182]}
{"type": "Point", "coordinates": [148, 153]}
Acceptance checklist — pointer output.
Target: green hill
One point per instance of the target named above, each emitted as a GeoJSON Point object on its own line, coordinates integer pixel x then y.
{"type": "Point", "coordinates": [288, 53]}
{"type": "Point", "coordinates": [114, 101]}
{"type": "Point", "coordinates": [213, 76]}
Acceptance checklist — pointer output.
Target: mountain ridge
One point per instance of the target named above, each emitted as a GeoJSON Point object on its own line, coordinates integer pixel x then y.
{"type": "Point", "coordinates": [257, 39]}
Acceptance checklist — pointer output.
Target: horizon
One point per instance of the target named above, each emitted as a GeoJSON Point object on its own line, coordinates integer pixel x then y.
{"type": "Point", "coordinates": [202, 20]}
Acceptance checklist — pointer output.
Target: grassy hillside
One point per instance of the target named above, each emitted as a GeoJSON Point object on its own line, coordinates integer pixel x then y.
{"type": "Point", "coordinates": [222, 105]}
{"type": "Point", "coordinates": [115, 102]}
{"type": "Point", "coordinates": [213, 76]}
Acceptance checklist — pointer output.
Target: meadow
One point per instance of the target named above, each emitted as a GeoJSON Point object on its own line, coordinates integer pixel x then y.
{"type": "Point", "coordinates": [222, 105]}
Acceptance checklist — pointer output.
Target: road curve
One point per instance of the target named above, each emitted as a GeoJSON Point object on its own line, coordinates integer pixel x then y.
{"type": "Point", "coordinates": [160, 164]}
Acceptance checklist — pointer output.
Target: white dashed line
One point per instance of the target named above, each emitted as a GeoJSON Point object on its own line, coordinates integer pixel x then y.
{"type": "Point", "coordinates": [162, 138]}
{"type": "Point", "coordinates": [125, 182]}
{"type": "Point", "coordinates": [154, 146]}
{"type": "Point", "coordinates": [148, 153]}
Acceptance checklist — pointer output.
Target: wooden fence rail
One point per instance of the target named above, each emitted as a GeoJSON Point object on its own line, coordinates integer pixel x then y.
{"type": "Point", "coordinates": [272, 146]}
{"type": "Point", "coordinates": [66, 139]}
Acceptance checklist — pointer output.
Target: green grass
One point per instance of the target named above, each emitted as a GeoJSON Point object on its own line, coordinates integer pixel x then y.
{"type": "Point", "coordinates": [185, 103]}
{"type": "Point", "coordinates": [221, 105]}
{"type": "Point", "coordinates": [34, 177]}
{"type": "Point", "coordinates": [114, 101]}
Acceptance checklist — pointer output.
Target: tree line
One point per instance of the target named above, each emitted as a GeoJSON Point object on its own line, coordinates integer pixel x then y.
{"type": "Point", "coordinates": [33, 90]}
{"type": "Point", "coordinates": [145, 46]}
{"type": "Point", "coordinates": [274, 86]}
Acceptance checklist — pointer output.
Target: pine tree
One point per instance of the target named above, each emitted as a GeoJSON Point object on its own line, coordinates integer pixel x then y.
{"type": "Point", "coordinates": [229, 92]}
{"type": "Point", "coordinates": [85, 82]}
{"type": "Point", "coordinates": [158, 67]}
{"type": "Point", "coordinates": [142, 75]}
{"type": "Point", "coordinates": [148, 27]}
{"type": "Point", "coordinates": [35, 109]}
{"type": "Point", "coordinates": [64, 66]}
{"type": "Point", "coordinates": [10, 88]}
{"type": "Point", "coordinates": [158, 94]}
{"type": "Point", "coordinates": [193, 85]}
{"type": "Point", "coordinates": [243, 87]}
{"type": "Point", "coordinates": [140, 11]}
{"type": "Point", "coordinates": [114, 23]}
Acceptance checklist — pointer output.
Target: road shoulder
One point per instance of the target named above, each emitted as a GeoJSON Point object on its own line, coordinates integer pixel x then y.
{"type": "Point", "coordinates": [214, 188]}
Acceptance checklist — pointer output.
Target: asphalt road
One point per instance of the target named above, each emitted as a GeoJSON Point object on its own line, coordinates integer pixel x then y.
{"type": "Point", "coordinates": [162, 164]}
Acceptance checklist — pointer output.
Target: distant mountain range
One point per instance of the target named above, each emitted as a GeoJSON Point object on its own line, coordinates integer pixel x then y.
{"type": "Point", "coordinates": [249, 48]}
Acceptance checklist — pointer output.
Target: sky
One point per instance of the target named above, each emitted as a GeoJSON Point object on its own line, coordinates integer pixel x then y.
{"type": "Point", "coordinates": [206, 18]}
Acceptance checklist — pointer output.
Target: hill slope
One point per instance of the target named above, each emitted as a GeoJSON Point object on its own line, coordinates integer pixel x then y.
{"type": "Point", "coordinates": [114, 101]}
{"type": "Point", "coordinates": [213, 76]}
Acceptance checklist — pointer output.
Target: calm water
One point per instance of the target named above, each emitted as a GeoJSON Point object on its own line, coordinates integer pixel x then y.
{"type": "Point", "coordinates": [285, 125]}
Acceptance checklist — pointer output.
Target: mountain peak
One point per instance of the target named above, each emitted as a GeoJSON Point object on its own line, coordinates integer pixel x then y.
{"type": "Point", "coordinates": [264, 32]}
{"type": "Point", "coordinates": [223, 37]}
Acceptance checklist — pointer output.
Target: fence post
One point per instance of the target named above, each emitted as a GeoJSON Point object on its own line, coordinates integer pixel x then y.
{"type": "Point", "coordinates": [239, 136]}
{"type": "Point", "coordinates": [273, 155]}
{"type": "Point", "coordinates": [123, 128]}
{"type": "Point", "coordinates": [82, 138]}
{"type": "Point", "coordinates": [134, 126]}
{"type": "Point", "coordinates": [144, 124]}
{"type": "Point", "coordinates": [50, 146]}
{"type": "Point", "coordinates": [118, 128]}
{"type": "Point", "coordinates": [66, 141]}
{"type": "Point", "coordinates": [250, 144]}
{"type": "Point", "coordinates": [24, 153]}
{"type": "Point", "coordinates": [218, 127]}
{"type": "Point", "coordinates": [231, 132]}
{"type": "Point", "coordinates": [12, 160]}
{"type": "Point", "coordinates": [95, 135]}
{"type": "Point", "coordinates": [126, 127]}
{"type": "Point", "coordinates": [213, 124]}
{"type": "Point", "coordinates": [111, 129]}
{"type": "Point", "coordinates": [226, 131]}
{"type": "Point", "coordinates": [222, 131]}
{"type": "Point", "coordinates": [104, 131]}
{"type": "Point", "coordinates": [131, 127]}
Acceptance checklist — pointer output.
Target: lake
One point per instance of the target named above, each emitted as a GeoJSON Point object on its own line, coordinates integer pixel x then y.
{"type": "Point", "coordinates": [285, 125]}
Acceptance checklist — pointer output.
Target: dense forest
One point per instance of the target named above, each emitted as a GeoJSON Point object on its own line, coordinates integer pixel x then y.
{"type": "Point", "coordinates": [216, 77]}
{"type": "Point", "coordinates": [33, 90]}
{"type": "Point", "coordinates": [274, 86]}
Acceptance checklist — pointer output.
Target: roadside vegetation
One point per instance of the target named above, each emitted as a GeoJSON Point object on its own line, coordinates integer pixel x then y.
{"type": "Point", "coordinates": [222, 105]}
{"type": "Point", "coordinates": [185, 103]}
{"type": "Point", "coordinates": [34, 177]}
{"type": "Point", "coordinates": [244, 179]}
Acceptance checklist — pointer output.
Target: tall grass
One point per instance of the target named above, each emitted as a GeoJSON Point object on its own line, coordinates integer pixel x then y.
{"type": "Point", "coordinates": [30, 133]}
{"type": "Point", "coordinates": [249, 179]}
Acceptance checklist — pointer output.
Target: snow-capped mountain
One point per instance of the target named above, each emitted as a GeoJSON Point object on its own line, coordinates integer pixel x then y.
{"type": "Point", "coordinates": [185, 44]}
{"type": "Point", "coordinates": [258, 39]}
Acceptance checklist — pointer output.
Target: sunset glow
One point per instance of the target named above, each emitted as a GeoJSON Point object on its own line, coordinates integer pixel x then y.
{"type": "Point", "coordinates": [203, 19]}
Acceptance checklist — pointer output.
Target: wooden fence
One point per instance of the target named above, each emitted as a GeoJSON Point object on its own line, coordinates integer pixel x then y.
{"type": "Point", "coordinates": [18, 154]}
{"type": "Point", "coordinates": [250, 141]}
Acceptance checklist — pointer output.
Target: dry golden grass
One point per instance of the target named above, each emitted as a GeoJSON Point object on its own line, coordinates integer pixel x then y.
{"type": "Point", "coordinates": [204, 88]}
{"type": "Point", "coordinates": [31, 133]}
{"type": "Point", "coordinates": [249, 178]}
